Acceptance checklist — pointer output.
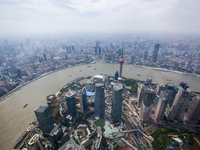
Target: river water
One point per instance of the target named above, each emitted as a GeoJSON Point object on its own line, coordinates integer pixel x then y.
{"type": "Point", "coordinates": [14, 119]}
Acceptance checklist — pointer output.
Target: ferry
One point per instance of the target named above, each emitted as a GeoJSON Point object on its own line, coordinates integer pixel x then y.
{"type": "Point", "coordinates": [25, 105]}
{"type": "Point", "coordinates": [80, 70]}
{"type": "Point", "coordinates": [70, 75]}
{"type": "Point", "coordinates": [169, 80]}
{"type": "Point", "coordinates": [138, 75]}
{"type": "Point", "coordinates": [94, 68]}
{"type": "Point", "coordinates": [89, 66]}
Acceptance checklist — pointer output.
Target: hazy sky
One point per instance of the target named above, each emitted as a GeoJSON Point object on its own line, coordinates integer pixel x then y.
{"type": "Point", "coordinates": [61, 16]}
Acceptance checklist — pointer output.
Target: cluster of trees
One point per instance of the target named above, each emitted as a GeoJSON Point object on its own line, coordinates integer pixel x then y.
{"type": "Point", "coordinates": [132, 83]}
{"type": "Point", "coordinates": [162, 140]}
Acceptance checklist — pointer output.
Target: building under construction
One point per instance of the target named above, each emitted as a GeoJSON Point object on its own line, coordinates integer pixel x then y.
{"type": "Point", "coordinates": [54, 107]}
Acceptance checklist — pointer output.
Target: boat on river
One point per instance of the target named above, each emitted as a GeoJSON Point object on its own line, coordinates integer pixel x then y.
{"type": "Point", "coordinates": [25, 105]}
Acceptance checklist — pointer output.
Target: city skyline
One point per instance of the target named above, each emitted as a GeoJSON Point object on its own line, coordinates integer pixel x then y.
{"type": "Point", "coordinates": [35, 17]}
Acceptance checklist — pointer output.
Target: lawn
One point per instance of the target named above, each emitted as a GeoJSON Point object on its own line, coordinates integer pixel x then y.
{"type": "Point", "coordinates": [100, 122]}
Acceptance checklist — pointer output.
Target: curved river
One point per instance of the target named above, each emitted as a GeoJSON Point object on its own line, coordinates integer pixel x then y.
{"type": "Point", "coordinates": [14, 119]}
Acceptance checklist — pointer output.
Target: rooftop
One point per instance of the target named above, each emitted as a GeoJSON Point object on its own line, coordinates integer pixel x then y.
{"type": "Point", "coordinates": [118, 86]}
{"type": "Point", "coordinates": [41, 107]}
{"type": "Point", "coordinates": [70, 94]}
{"type": "Point", "coordinates": [99, 84]}
{"type": "Point", "coordinates": [34, 139]}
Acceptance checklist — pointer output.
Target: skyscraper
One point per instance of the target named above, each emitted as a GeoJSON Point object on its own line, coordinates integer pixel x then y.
{"type": "Point", "coordinates": [71, 103]}
{"type": "Point", "coordinates": [117, 103]}
{"type": "Point", "coordinates": [116, 75]}
{"type": "Point", "coordinates": [155, 53]}
{"type": "Point", "coordinates": [73, 48]}
{"type": "Point", "coordinates": [83, 100]}
{"type": "Point", "coordinates": [192, 115]}
{"type": "Point", "coordinates": [99, 50]}
{"type": "Point", "coordinates": [147, 103]}
{"type": "Point", "coordinates": [145, 55]}
{"type": "Point", "coordinates": [141, 93]}
{"type": "Point", "coordinates": [45, 57]}
{"type": "Point", "coordinates": [99, 101]}
{"type": "Point", "coordinates": [177, 105]}
{"type": "Point", "coordinates": [160, 108]}
{"type": "Point", "coordinates": [44, 118]}
{"type": "Point", "coordinates": [54, 107]}
{"type": "Point", "coordinates": [95, 50]}
{"type": "Point", "coordinates": [12, 67]}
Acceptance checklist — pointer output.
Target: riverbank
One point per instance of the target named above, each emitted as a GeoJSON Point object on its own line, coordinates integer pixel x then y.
{"type": "Point", "coordinates": [2, 98]}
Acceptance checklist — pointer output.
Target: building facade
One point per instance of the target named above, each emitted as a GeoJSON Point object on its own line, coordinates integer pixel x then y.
{"type": "Point", "coordinates": [193, 113]}
{"type": "Point", "coordinates": [147, 103]}
{"type": "Point", "coordinates": [83, 100]}
{"type": "Point", "coordinates": [54, 107]}
{"type": "Point", "coordinates": [177, 105]}
{"type": "Point", "coordinates": [155, 53]}
{"type": "Point", "coordinates": [44, 118]}
{"type": "Point", "coordinates": [161, 107]}
{"type": "Point", "coordinates": [117, 103]}
{"type": "Point", "coordinates": [71, 103]}
{"type": "Point", "coordinates": [99, 101]}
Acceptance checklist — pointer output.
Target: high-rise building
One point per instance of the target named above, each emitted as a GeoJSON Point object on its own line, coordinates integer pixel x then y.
{"type": "Point", "coordinates": [96, 50]}
{"type": "Point", "coordinates": [71, 103]}
{"type": "Point", "coordinates": [155, 53]}
{"type": "Point", "coordinates": [147, 103]}
{"type": "Point", "coordinates": [12, 67]}
{"type": "Point", "coordinates": [99, 101]}
{"type": "Point", "coordinates": [145, 55]}
{"type": "Point", "coordinates": [192, 115]}
{"type": "Point", "coordinates": [116, 75]}
{"type": "Point", "coordinates": [35, 143]}
{"type": "Point", "coordinates": [54, 107]}
{"type": "Point", "coordinates": [160, 87]}
{"type": "Point", "coordinates": [73, 48]}
{"type": "Point", "coordinates": [121, 61]}
{"type": "Point", "coordinates": [141, 93]}
{"type": "Point", "coordinates": [178, 102]}
{"type": "Point", "coordinates": [45, 57]}
{"type": "Point", "coordinates": [67, 49]}
{"type": "Point", "coordinates": [83, 100]}
{"type": "Point", "coordinates": [99, 50]}
{"type": "Point", "coordinates": [44, 118]}
{"type": "Point", "coordinates": [161, 106]}
{"type": "Point", "coordinates": [117, 103]}
{"type": "Point", "coordinates": [132, 59]}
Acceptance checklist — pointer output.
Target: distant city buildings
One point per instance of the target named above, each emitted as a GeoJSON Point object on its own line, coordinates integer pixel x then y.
{"type": "Point", "coordinates": [117, 103]}
{"type": "Point", "coordinates": [99, 101]}
{"type": "Point", "coordinates": [43, 114]}
{"type": "Point", "coordinates": [155, 53]}
{"type": "Point", "coordinates": [71, 103]}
